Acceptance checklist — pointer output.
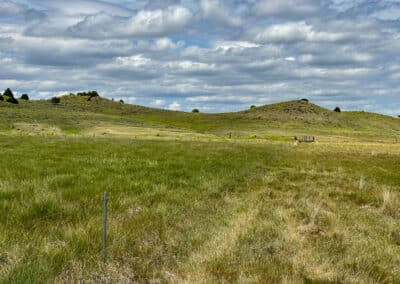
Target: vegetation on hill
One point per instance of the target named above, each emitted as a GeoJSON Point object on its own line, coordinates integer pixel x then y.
{"type": "Point", "coordinates": [55, 100]}
{"type": "Point", "coordinates": [8, 93]}
{"type": "Point", "coordinates": [8, 96]}
{"type": "Point", "coordinates": [24, 97]}
{"type": "Point", "coordinates": [284, 119]}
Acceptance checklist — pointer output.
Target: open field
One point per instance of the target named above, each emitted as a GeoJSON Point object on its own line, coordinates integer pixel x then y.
{"type": "Point", "coordinates": [198, 210]}
{"type": "Point", "coordinates": [188, 204]}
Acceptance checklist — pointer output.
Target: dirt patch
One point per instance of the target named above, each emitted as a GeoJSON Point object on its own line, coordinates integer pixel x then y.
{"type": "Point", "coordinates": [36, 129]}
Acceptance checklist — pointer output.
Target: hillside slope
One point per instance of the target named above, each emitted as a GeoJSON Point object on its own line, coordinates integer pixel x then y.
{"type": "Point", "coordinates": [76, 114]}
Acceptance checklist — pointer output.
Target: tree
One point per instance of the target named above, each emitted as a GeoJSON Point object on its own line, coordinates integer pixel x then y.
{"type": "Point", "coordinates": [24, 97]}
{"type": "Point", "coordinates": [121, 101]}
{"type": "Point", "coordinates": [8, 93]}
{"type": "Point", "coordinates": [305, 100]}
{"type": "Point", "coordinates": [252, 107]}
{"type": "Point", "coordinates": [1, 98]}
{"type": "Point", "coordinates": [337, 109]}
{"type": "Point", "coordinates": [195, 110]}
{"type": "Point", "coordinates": [55, 100]}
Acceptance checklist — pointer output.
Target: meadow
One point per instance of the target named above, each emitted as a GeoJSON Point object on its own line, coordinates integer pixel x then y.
{"type": "Point", "coordinates": [189, 205]}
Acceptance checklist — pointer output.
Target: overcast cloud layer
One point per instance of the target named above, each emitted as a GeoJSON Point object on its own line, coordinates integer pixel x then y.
{"type": "Point", "coordinates": [215, 55]}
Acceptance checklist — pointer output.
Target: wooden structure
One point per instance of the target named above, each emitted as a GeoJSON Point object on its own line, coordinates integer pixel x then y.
{"type": "Point", "coordinates": [305, 139]}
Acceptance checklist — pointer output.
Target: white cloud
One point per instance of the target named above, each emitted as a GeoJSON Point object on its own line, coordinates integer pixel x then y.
{"type": "Point", "coordinates": [145, 23]}
{"type": "Point", "coordinates": [174, 106]}
{"type": "Point", "coordinates": [156, 22]}
{"type": "Point", "coordinates": [296, 31]}
{"type": "Point", "coordinates": [83, 7]}
{"type": "Point", "coordinates": [286, 7]}
{"type": "Point", "coordinates": [8, 8]}
{"type": "Point", "coordinates": [234, 45]}
{"type": "Point", "coordinates": [290, 58]}
{"type": "Point", "coordinates": [133, 61]}
{"type": "Point", "coordinates": [190, 66]}
{"type": "Point", "coordinates": [163, 44]}
{"type": "Point", "coordinates": [158, 103]}
{"type": "Point", "coordinates": [217, 11]}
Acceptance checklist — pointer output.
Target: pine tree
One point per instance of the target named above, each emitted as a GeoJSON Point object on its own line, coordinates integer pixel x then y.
{"type": "Point", "coordinates": [8, 93]}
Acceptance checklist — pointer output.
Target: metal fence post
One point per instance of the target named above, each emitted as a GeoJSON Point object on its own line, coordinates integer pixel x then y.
{"type": "Point", "coordinates": [105, 227]}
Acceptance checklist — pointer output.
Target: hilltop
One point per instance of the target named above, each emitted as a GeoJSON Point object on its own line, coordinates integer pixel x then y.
{"type": "Point", "coordinates": [77, 114]}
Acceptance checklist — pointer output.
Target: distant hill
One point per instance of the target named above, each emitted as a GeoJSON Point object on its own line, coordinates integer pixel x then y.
{"type": "Point", "coordinates": [76, 113]}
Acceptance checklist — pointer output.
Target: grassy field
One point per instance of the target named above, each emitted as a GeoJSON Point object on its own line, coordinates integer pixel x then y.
{"type": "Point", "coordinates": [189, 205]}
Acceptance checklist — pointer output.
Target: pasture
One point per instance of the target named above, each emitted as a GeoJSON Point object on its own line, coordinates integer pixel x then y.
{"type": "Point", "coordinates": [198, 211]}
{"type": "Point", "coordinates": [197, 198]}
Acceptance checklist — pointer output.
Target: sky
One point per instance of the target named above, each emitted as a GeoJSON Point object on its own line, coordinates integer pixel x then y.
{"type": "Point", "coordinates": [214, 55]}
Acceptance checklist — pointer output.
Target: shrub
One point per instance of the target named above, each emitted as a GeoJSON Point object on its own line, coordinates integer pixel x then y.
{"type": "Point", "coordinates": [8, 93]}
{"type": "Point", "coordinates": [121, 101]}
{"type": "Point", "coordinates": [1, 98]}
{"type": "Point", "coordinates": [337, 109]}
{"type": "Point", "coordinates": [195, 110]}
{"type": "Point", "coordinates": [24, 97]}
{"type": "Point", "coordinates": [12, 100]}
{"type": "Point", "coordinates": [305, 100]}
{"type": "Point", "coordinates": [55, 100]}
{"type": "Point", "coordinates": [90, 94]}
{"type": "Point", "coordinates": [252, 107]}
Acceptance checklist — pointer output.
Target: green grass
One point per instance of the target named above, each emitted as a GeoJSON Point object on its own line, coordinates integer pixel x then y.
{"type": "Point", "coordinates": [188, 204]}
{"type": "Point", "coordinates": [198, 211]}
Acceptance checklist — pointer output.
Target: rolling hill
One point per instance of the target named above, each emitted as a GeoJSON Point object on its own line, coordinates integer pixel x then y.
{"type": "Point", "coordinates": [77, 115]}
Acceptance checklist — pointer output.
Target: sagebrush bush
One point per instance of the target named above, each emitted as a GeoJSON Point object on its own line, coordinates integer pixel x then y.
{"type": "Point", "coordinates": [12, 100]}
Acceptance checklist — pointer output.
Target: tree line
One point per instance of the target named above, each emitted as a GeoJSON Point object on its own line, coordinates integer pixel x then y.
{"type": "Point", "coordinates": [8, 96]}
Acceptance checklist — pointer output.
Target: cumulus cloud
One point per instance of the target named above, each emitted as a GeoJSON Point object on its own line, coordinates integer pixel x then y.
{"type": "Point", "coordinates": [174, 106]}
{"type": "Point", "coordinates": [218, 11]}
{"type": "Point", "coordinates": [145, 23]}
{"type": "Point", "coordinates": [297, 31]}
